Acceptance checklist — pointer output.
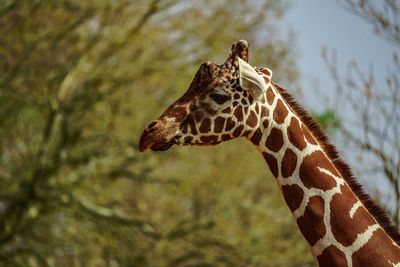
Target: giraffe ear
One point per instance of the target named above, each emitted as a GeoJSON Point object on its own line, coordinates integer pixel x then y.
{"type": "Point", "coordinates": [250, 80]}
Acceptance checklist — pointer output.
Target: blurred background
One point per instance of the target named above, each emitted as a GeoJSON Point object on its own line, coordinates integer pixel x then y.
{"type": "Point", "coordinates": [79, 80]}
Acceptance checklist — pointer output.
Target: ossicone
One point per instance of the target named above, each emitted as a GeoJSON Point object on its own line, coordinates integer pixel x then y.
{"type": "Point", "coordinates": [239, 49]}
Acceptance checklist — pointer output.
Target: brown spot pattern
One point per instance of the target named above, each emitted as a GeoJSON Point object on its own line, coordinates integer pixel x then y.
{"type": "Point", "coordinates": [179, 113]}
{"type": "Point", "coordinates": [255, 139]}
{"type": "Point", "coordinates": [192, 126]}
{"type": "Point", "coordinates": [184, 127]}
{"type": "Point", "coordinates": [378, 251]}
{"type": "Point", "coordinates": [289, 162]}
{"type": "Point", "coordinates": [265, 124]}
{"type": "Point", "coordinates": [266, 72]}
{"type": "Point", "coordinates": [205, 126]}
{"type": "Point", "coordinates": [311, 223]}
{"type": "Point", "coordinates": [219, 123]}
{"type": "Point", "coordinates": [257, 108]}
{"type": "Point", "coordinates": [246, 133]}
{"type": "Point", "coordinates": [274, 141]}
{"type": "Point", "coordinates": [264, 112]}
{"type": "Point", "coordinates": [293, 195]}
{"type": "Point", "coordinates": [280, 112]}
{"type": "Point", "coordinates": [344, 228]}
{"type": "Point", "coordinates": [332, 257]}
{"type": "Point", "coordinates": [270, 95]}
{"type": "Point", "coordinates": [308, 136]}
{"type": "Point", "coordinates": [238, 113]}
{"type": "Point", "coordinates": [188, 139]}
{"type": "Point", "coordinates": [295, 134]}
{"type": "Point", "coordinates": [263, 99]}
{"type": "Point", "coordinates": [209, 138]}
{"type": "Point", "coordinates": [244, 102]}
{"type": "Point", "coordinates": [226, 137]}
{"type": "Point", "coordinates": [265, 78]}
{"type": "Point", "coordinates": [250, 99]}
{"type": "Point", "coordinates": [238, 131]}
{"type": "Point", "coordinates": [312, 177]}
{"type": "Point", "coordinates": [272, 163]}
{"type": "Point", "coordinates": [227, 110]}
{"type": "Point", "coordinates": [252, 119]}
{"type": "Point", "coordinates": [229, 124]}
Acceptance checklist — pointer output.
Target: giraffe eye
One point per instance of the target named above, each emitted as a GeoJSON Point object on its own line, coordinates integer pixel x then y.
{"type": "Point", "coordinates": [219, 97]}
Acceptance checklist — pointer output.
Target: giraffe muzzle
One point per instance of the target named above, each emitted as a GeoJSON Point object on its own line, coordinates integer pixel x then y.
{"type": "Point", "coordinates": [157, 137]}
{"type": "Point", "coordinates": [145, 143]}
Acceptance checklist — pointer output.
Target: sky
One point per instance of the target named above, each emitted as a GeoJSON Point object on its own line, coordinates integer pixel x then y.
{"type": "Point", "coordinates": [326, 23]}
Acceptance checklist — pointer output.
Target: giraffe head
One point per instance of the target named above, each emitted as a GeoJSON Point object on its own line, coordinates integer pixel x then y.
{"type": "Point", "coordinates": [222, 103]}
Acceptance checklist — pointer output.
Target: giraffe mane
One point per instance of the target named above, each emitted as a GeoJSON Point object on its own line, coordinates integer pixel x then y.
{"type": "Point", "coordinates": [376, 211]}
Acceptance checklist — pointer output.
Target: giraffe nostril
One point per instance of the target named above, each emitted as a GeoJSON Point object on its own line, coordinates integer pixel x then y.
{"type": "Point", "coordinates": [151, 125]}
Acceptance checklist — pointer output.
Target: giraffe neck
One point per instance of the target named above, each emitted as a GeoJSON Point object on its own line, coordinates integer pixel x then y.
{"type": "Point", "coordinates": [337, 225]}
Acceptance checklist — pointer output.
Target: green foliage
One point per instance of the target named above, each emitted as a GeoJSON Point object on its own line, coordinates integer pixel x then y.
{"type": "Point", "coordinates": [78, 82]}
{"type": "Point", "coordinates": [328, 121]}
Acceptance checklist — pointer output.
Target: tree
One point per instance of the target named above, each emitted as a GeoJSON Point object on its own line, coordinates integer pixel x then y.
{"type": "Point", "coordinates": [373, 128]}
{"type": "Point", "coordinates": [78, 81]}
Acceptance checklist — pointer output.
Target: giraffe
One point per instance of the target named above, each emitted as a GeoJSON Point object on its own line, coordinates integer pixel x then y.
{"type": "Point", "coordinates": [341, 224]}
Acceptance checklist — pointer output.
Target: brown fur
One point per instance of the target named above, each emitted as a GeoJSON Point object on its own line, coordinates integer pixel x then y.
{"type": "Point", "coordinates": [341, 221]}
{"type": "Point", "coordinates": [280, 112]}
{"type": "Point", "coordinates": [332, 257]}
{"type": "Point", "coordinates": [289, 160]}
{"type": "Point", "coordinates": [272, 163]}
{"type": "Point", "coordinates": [293, 195]}
{"type": "Point", "coordinates": [386, 250]}
{"type": "Point", "coordinates": [309, 169]}
{"type": "Point", "coordinates": [377, 212]}
{"type": "Point", "coordinates": [274, 140]}
{"type": "Point", "coordinates": [311, 224]}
